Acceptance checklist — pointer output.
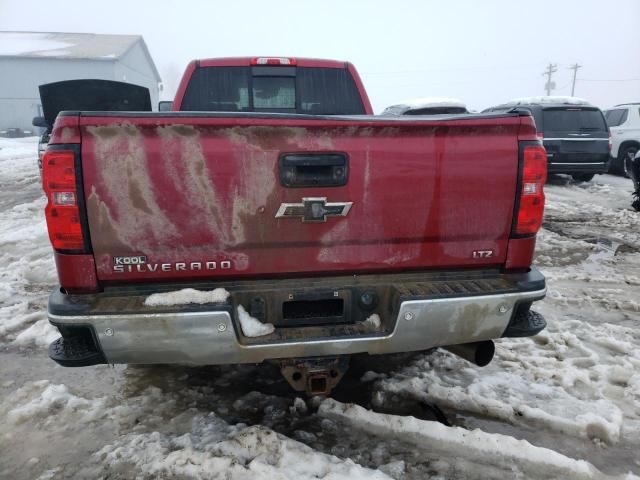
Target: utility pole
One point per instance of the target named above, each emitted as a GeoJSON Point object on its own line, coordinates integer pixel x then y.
{"type": "Point", "coordinates": [551, 69]}
{"type": "Point", "coordinates": [575, 68]}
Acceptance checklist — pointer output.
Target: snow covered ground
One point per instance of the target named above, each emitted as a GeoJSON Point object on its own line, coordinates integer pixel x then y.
{"type": "Point", "coordinates": [564, 404]}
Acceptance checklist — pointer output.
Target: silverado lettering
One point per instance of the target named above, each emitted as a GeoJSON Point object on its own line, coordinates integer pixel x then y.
{"type": "Point", "coordinates": [171, 267]}
{"type": "Point", "coordinates": [247, 163]}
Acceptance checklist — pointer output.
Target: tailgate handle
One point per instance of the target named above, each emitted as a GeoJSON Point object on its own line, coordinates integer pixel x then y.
{"type": "Point", "coordinates": [314, 169]}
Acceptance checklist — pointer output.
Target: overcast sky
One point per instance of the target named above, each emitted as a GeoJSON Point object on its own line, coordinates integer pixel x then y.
{"type": "Point", "coordinates": [483, 52]}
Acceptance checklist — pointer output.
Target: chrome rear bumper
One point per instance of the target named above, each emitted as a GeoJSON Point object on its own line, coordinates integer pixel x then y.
{"type": "Point", "coordinates": [213, 336]}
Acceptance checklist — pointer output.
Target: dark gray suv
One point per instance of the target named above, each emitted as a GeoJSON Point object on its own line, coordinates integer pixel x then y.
{"type": "Point", "coordinates": [574, 132]}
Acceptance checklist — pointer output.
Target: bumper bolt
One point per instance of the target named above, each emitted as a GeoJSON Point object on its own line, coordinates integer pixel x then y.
{"type": "Point", "coordinates": [409, 316]}
{"type": "Point", "coordinates": [108, 332]}
{"type": "Point", "coordinates": [222, 327]}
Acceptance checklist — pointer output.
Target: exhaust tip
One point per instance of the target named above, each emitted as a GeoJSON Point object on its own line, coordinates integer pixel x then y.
{"type": "Point", "coordinates": [478, 353]}
{"type": "Point", "coordinates": [484, 353]}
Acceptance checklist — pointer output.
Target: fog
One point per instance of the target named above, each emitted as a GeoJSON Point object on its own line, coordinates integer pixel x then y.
{"type": "Point", "coordinates": [483, 52]}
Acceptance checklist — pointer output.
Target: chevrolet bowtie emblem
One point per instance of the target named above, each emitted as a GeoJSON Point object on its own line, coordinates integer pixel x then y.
{"type": "Point", "coordinates": [314, 209]}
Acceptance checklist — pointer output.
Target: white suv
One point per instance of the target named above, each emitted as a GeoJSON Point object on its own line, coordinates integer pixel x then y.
{"type": "Point", "coordinates": [624, 123]}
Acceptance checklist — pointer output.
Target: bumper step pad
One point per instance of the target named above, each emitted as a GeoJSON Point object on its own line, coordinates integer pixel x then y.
{"type": "Point", "coordinates": [525, 324]}
{"type": "Point", "coordinates": [75, 352]}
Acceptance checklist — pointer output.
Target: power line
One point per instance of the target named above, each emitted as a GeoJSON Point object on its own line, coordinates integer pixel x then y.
{"type": "Point", "coordinates": [610, 80]}
{"type": "Point", "coordinates": [452, 69]}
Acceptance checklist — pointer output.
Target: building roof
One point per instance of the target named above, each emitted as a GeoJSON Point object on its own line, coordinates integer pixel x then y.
{"type": "Point", "coordinates": [89, 46]}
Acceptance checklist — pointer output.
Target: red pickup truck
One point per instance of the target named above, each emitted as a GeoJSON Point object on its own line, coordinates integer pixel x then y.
{"type": "Point", "coordinates": [272, 217]}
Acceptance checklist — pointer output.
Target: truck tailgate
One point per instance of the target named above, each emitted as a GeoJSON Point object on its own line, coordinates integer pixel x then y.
{"type": "Point", "coordinates": [183, 196]}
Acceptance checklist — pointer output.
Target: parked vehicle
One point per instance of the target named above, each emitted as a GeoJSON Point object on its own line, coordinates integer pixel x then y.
{"type": "Point", "coordinates": [624, 123]}
{"type": "Point", "coordinates": [271, 217]}
{"type": "Point", "coordinates": [427, 106]}
{"type": "Point", "coordinates": [634, 172]}
{"type": "Point", "coordinates": [574, 133]}
{"type": "Point", "coordinates": [15, 133]}
{"type": "Point", "coordinates": [86, 94]}
{"type": "Point", "coordinates": [40, 122]}
{"type": "Point", "coordinates": [165, 106]}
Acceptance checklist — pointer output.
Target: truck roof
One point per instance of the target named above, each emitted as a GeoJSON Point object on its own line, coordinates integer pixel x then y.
{"type": "Point", "coordinates": [247, 61]}
{"type": "Point", "coordinates": [552, 100]}
{"type": "Point", "coordinates": [429, 102]}
{"type": "Point", "coordinates": [625, 104]}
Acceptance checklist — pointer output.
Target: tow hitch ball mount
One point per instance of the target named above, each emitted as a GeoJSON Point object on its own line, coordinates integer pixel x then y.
{"type": "Point", "coordinates": [314, 376]}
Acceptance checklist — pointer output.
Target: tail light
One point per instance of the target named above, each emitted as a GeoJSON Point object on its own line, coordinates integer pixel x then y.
{"type": "Point", "coordinates": [531, 201]}
{"type": "Point", "coordinates": [540, 136]}
{"type": "Point", "coordinates": [62, 211]}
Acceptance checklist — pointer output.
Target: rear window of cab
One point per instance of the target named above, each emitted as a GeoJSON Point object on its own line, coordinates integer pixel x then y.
{"type": "Point", "coordinates": [310, 90]}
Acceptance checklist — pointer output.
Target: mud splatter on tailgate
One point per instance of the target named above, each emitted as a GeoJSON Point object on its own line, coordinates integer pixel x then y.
{"type": "Point", "coordinates": [122, 206]}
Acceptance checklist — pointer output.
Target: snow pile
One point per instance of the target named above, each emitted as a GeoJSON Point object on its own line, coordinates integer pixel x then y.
{"type": "Point", "coordinates": [27, 270]}
{"type": "Point", "coordinates": [164, 433]}
{"type": "Point", "coordinates": [299, 406]}
{"type": "Point", "coordinates": [539, 395]}
{"type": "Point", "coordinates": [373, 322]}
{"type": "Point", "coordinates": [41, 333]}
{"type": "Point", "coordinates": [14, 150]}
{"type": "Point", "coordinates": [42, 400]}
{"type": "Point", "coordinates": [186, 296]}
{"type": "Point", "coordinates": [496, 450]}
{"type": "Point", "coordinates": [14, 317]}
{"type": "Point", "coordinates": [213, 449]}
{"type": "Point", "coordinates": [370, 376]}
{"type": "Point", "coordinates": [252, 327]}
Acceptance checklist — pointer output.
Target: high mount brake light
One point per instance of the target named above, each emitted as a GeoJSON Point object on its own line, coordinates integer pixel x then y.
{"type": "Point", "coordinates": [273, 61]}
{"type": "Point", "coordinates": [62, 211]}
{"type": "Point", "coordinates": [531, 204]}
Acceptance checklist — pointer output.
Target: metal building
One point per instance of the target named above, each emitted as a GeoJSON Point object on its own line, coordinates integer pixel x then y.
{"type": "Point", "coordinates": [30, 59]}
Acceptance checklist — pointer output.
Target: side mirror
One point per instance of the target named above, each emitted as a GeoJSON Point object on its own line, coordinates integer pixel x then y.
{"type": "Point", "coordinates": [39, 122]}
{"type": "Point", "coordinates": [165, 106]}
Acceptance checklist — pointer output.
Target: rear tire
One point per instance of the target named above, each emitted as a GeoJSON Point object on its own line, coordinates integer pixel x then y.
{"type": "Point", "coordinates": [625, 156]}
{"type": "Point", "coordinates": [583, 177]}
